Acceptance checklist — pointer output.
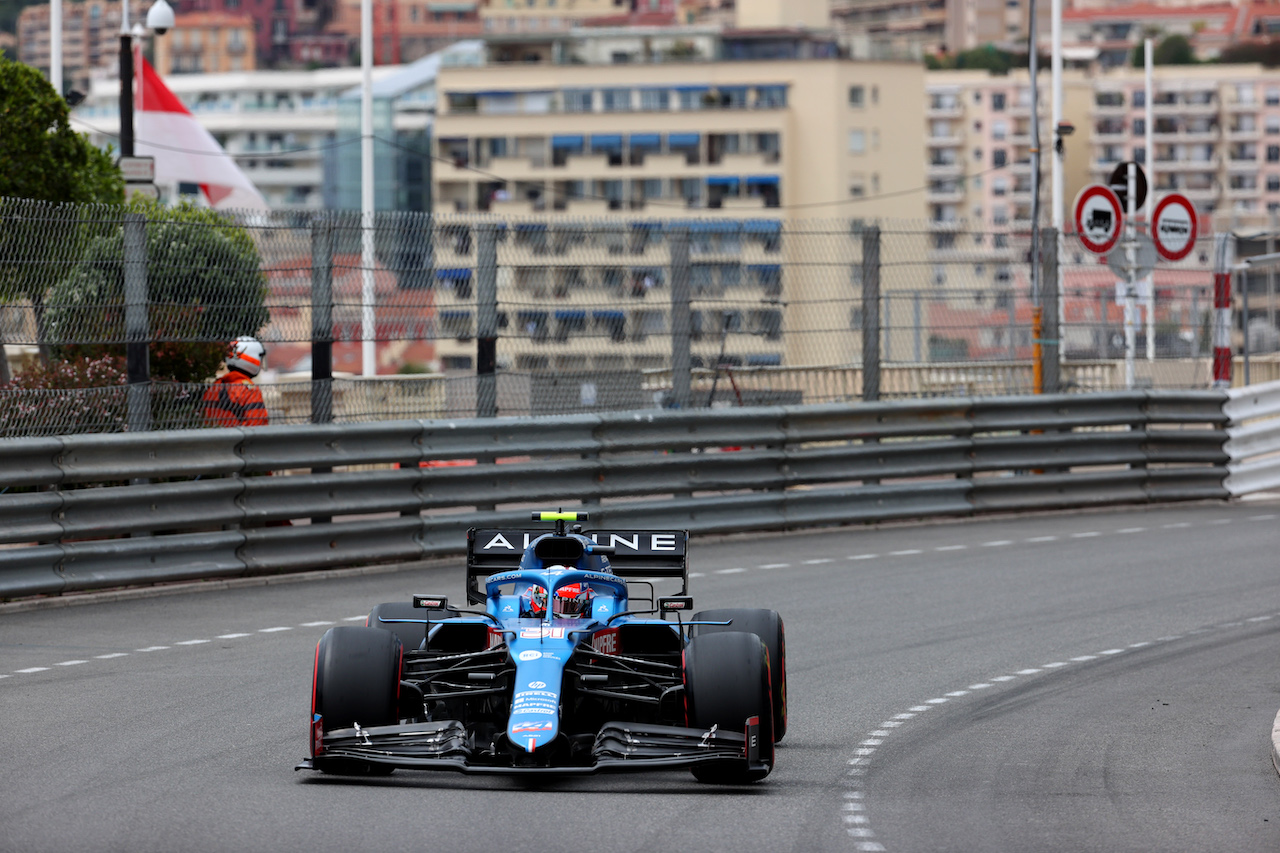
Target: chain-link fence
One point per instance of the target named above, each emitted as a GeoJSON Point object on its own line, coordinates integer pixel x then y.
{"type": "Point", "coordinates": [476, 316]}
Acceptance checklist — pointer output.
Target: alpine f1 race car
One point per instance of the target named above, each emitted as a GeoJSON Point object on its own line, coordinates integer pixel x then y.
{"type": "Point", "coordinates": [573, 666]}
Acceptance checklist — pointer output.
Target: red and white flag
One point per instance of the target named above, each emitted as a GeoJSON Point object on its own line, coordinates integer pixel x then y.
{"type": "Point", "coordinates": [183, 150]}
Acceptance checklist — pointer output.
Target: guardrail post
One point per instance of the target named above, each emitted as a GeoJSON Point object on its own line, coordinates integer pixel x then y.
{"type": "Point", "coordinates": [1050, 342]}
{"type": "Point", "coordinates": [137, 328]}
{"type": "Point", "coordinates": [486, 320]}
{"type": "Point", "coordinates": [681, 322]}
{"type": "Point", "coordinates": [871, 313]}
{"type": "Point", "coordinates": [321, 319]}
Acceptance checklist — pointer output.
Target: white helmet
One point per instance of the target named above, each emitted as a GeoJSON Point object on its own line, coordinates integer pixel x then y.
{"type": "Point", "coordinates": [246, 355]}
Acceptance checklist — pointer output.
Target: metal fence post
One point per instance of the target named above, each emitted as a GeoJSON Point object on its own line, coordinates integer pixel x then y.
{"type": "Point", "coordinates": [137, 328]}
{"type": "Point", "coordinates": [1050, 331]}
{"type": "Point", "coordinates": [871, 313]}
{"type": "Point", "coordinates": [486, 320]}
{"type": "Point", "coordinates": [321, 319]}
{"type": "Point", "coordinates": [681, 319]}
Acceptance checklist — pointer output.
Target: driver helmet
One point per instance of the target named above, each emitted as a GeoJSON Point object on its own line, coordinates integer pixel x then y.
{"type": "Point", "coordinates": [573, 601]}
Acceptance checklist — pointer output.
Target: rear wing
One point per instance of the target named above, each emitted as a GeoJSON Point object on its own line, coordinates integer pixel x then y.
{"type": "Point", "coordinates": [637, 553]}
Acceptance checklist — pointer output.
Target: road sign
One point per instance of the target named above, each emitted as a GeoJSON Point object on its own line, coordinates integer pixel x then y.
{"type": "Point", "coordinates": [1098, 218]}
{"type": "Point", "coordinates": [1119, 183]}
{"type": "Point", "coordinates": [1118, 258]}
{"type": "Point", "coordinates": [1174, 227]}
{"type": "Point", "coordinates": [149, 190]}
{"type": "Point", "coordinates": [138, 170]}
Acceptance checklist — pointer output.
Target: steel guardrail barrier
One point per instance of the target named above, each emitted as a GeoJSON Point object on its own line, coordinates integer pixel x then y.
{"type": "Point", "coordinates": [1253, 442]}
{"type": "Point", "coordinates": [90, 512]}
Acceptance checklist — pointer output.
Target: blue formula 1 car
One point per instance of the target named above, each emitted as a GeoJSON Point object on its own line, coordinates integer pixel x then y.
{"type": "Point", "coordinates": [563, 671]}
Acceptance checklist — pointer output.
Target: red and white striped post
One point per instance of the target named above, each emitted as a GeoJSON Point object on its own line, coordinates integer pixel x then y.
{"type": "Point", "coordinates": [1222, 311]}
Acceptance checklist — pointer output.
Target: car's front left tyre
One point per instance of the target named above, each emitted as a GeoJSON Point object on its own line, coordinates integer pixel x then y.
{"type": "Point", "coordinates": [356, 680]}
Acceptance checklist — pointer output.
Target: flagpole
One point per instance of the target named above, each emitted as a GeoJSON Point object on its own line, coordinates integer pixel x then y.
{"type": "Point", "coordinates": [55, 45]}
{"type": "Point", "coordinates": [368, 349]}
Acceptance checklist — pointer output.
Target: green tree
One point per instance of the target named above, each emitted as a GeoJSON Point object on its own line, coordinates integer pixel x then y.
{"type": "Point", "coordinates": [1265, 52]}
{"type": "Point", "coordinates": [205, 287]}
{"type": "Point", "coordinates": [1171, 50]}
{"type": "Point", "coordinates": [42, 159]}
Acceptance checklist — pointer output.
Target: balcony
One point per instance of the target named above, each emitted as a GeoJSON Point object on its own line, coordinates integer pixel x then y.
{"type": "Point", "coordinates": [1186, 109]}
{"type": "Point", "coordinates": [1183, 164]}
{"type": "Point", "coordinates": [514, 167]}
{"type": "Point", "coordinates": [1110, 136]}
{"type": "Point", "coordinates": [1243, 192]}
{"type": "Point", "coordinates": [948, 141]}
{"type": "Point", "coordinates": [1186, 136]}
{"type": "Point", "coordinates": [1250, 106]}
{"type": "Point", "coordinates": [951, 224]}
{"type": "Point", "coordinates": [1244, 165]}
{"type": "Point", "coordinates": [952, 196]}
{"type": "Point", "coordinates": [1252, 134]}
{"type": "Point", "coordinates": [1101, 110]}
{"type": "Point", "coordinates": [955, 110]}
{"type": "Point", "coordinates": [945, 170]}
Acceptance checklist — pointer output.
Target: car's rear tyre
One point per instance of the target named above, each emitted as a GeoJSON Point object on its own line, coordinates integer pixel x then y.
{"type": "Point", "coordinates": [726, 682]}
{"type": "Point", "coordinates": [767, 625]}
{"type": "Point", "coordinates": [356, 680]}
{"type": "Point", "coordinates": [411, 634]}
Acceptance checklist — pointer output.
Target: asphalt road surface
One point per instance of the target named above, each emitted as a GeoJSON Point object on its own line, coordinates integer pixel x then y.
{"type": "Point", "coordinates": [1096, 681]}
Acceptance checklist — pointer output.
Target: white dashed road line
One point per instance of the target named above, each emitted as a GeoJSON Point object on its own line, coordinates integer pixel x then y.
{"type": "Point", "coordinates": [275, 630]}
{"type": "Point", "coordinates": [191, 642]}
{"type": "Point", "coordinates": [864, 753]}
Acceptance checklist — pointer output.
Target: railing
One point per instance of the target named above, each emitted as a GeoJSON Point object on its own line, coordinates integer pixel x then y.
{"type": "Point", "coordinates": [1254, 438]}
{"type": "Point", "coordinates": [97, 511]}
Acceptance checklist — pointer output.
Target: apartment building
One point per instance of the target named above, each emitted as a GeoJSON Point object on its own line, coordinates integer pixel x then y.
{"type": "Point", "coordinates": [1111, 32]}
{"type": "Point", "coordinates": [526, 16]}
{"type": "Point", "coordinates": [1004, 23]}
{"type": "Point", "coordinates": [594, 153]}
{"type": "Point", "coordinates": [890, 29]}
{"type": "Point", "coordinates": [978, 137]}
{"type": "Point", "coordinates": [207, 43]}
{"type": "Point", "coordinates": [1216, 135]}
{"type": "Point", "coordinates": [90, 39]}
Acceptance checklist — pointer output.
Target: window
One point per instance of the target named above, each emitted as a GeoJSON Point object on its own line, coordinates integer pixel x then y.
{"type": "Point", "coordinates": [578, 100]}
{"type": "Point", "coordinates": [857, 141]}
{"type": "Point", "coordinates": [997, 101]}
{"type": "Point", "coordinates": [1273, 97]}
{"type": "Point", "coordinates": [999, 129]}
{"type": "Point", "coordinates": [857, 96]}
{"type": "Point", "coordinates": [691, 97]}
{"type": "Point", "coordinates": [1140, 98]}
{"type": "Point", "coordinates": [1273, 153]}
{"type": "Point", "coordinates": [1273, 183]}
{"type": "Point", "coordinates": [999, 157]}
{"type": "Point", "coordinates": [771, 97]}
{"type": "Point", "coordinates": [617, 100]}
{"type": "Point", "coordinates": [1273, 125]}
{"type": "Point", "coordinates": [1139, 127]}
{"type": "Point", "coordinates": [655, 99]}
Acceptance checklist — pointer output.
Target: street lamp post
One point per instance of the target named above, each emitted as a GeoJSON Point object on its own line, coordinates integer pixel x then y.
{"type": "Point", "coordinates": [160, 20]}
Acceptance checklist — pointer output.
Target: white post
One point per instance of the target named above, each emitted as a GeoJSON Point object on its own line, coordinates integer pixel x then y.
{"type": "Point", "coordinates": [55, 45]}
{"type": "Point", "coordinates": [1151, 198]}
{"type": "Point", "coordinates": [1131, 269]}
{"type": "Point", "coordinates": [368, 349]}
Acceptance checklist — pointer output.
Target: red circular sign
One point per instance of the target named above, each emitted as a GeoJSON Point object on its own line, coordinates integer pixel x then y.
{"type": "Point", "coordinates": [1098, 218]}
{"type": "Point", "coordinates": [1173, 227]}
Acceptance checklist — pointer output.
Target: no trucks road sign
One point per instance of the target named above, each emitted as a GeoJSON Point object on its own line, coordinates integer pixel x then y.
{"type": "Point", "coordinates": [1098, 218]}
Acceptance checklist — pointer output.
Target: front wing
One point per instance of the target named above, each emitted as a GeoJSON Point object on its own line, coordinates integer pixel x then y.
{"type": "Point", "coordinates": [618, 747]}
